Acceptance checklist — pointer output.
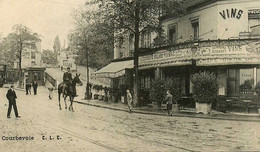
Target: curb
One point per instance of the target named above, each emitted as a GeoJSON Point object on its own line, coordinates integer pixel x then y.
{"type": "Point", "coordinates": [183, 114]}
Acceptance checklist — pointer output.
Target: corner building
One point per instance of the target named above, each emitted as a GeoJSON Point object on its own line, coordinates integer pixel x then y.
{"type": "Point", "coordinates": [221, 36]}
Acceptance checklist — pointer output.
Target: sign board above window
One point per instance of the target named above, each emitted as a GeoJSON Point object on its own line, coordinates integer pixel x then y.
{"type": "Point", "coordinates": [207, 53]}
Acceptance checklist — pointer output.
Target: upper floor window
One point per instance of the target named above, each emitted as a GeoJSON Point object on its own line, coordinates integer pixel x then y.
{"type": "Point", "coordinates": [195, 26]}
{"type": "Point", "coordinates": [172, 34]}
{"type": "Point", "coordinates": [120, 42]}
{"type": "Point", "coordinates": [253, 18]}
{"type": "Point", "coordinates": [131, 42]}
{"type": "Point", "coordinates": [33, 63]}
{"type": "Point", "coordinates": [33, 56]}
{"type": "Point", "coordinates": [146, 40]}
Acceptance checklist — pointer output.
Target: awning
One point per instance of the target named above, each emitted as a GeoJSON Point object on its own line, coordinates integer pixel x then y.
{"type": "Point", "coordinates": [114, 69]}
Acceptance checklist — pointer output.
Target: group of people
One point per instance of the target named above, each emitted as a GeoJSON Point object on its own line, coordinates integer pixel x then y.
{"type": "Point", "coordinates": [67, 78]}
{"type": "Point", "coordinates": [168, 100]}
{"type": "Point", "coordinates": [28, 86]}
{"type": "Point", "coordinates": [11, 94]}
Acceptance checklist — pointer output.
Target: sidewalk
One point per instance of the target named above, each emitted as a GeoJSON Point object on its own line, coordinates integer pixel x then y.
{"type": "Point", "coordinates": [187, 112]}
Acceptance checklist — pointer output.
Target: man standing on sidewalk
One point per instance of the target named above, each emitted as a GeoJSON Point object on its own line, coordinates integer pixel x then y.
{"type": "Point", "coordinates": [11, 96]}
{"type": "Point", "coordinates": [35, 86]}
{"type": "Point", "coordinates": [168, 100]}
{"type": "Point", "coordinates": [129, 99]}
{"type": "Point", "coordinates": [27, 86]}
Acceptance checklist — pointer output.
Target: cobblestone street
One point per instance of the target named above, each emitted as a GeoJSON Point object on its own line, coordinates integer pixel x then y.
{"type": "Point", "coordinates": [97, 129]}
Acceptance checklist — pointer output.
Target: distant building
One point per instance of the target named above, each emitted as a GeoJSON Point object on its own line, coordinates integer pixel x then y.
{"type": "Point", "coordinates": [66, 58]}
{"type": "Point", "coordinates": [32, 66]}
{"type": "Point", "coordinates": [31, 56]}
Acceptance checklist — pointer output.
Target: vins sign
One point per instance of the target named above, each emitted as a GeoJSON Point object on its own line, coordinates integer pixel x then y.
{"type": "Point", "coordinates": [231, 13]}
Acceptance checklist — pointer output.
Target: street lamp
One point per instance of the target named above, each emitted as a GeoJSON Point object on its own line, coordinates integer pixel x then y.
{"type": "Point", "coordinates": [87, 94]}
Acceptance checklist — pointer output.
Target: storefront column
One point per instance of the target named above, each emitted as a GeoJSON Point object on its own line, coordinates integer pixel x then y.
{"type": "Point", "coordinates": [255, 76]}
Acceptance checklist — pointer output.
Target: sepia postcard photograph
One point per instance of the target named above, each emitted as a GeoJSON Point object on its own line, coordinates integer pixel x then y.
{"type": "Point", "coordinates": [129, 75]}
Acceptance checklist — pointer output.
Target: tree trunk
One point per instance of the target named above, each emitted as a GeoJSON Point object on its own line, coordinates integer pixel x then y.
{"type": "Point", "coordinates": [136, 54]}
{"type": "Point", "coordinates": [20, 68]}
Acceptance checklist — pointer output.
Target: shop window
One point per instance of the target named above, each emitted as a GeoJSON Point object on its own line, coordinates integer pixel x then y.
{"type": "Point", "coordinates": [39, 76]}
{"type": "Point", "coordinates": [195, 26]}
{"type": "Point", "coordinates": [246, 81]}
{"type": "Point", "coordinates": [172, 34]}
{"type": "Point", "coordinates": [240, 81]}
{"type": "Point", "coordinates": [145, 82]}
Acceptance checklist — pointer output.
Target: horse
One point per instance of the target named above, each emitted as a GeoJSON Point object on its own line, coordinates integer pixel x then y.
{"type": "Point", "coordinates": [70, 91]}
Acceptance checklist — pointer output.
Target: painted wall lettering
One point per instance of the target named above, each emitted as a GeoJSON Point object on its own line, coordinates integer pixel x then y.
{"type": "Point", "coordinates": [231, 13]}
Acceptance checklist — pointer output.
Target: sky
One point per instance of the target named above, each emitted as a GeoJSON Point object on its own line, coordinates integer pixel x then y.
{"type": "Point", "coordinates": [48, 18]}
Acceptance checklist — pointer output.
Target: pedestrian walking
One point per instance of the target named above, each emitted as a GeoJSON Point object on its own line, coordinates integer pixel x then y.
{"type": "Point", "coordinates": [35, 86]}
{"type": "Point", "coordinates": [168, 101]}
{"type": "Point", "coordinates": [28, 86]}
{"type": "Point", "coordinates": [11, 96]}
{"type": "Point", "coordinates": [50, 92]}
{"type": "Point", "coordinates": [129, 99]}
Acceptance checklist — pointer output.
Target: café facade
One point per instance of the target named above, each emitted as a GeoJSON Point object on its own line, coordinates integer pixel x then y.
{"type": "Point", "coordinates": [220, 36]}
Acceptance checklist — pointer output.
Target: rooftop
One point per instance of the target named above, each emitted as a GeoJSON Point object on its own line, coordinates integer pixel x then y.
{"type": "Point", "coordinates": [191, 4]}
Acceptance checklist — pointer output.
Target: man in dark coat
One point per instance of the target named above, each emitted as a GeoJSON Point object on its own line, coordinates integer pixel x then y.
{"type": "Point", "coordinates": [11, 96]}
{"type": "Point", "coordinates": [27, 86]}
{"type": "Point", "coordinates": [67, 79]}
{"type": "Point", "coordinates": [35, 86]}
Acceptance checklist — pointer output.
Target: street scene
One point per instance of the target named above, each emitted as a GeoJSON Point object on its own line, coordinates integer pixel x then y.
{"type": "Point", "coordinates": [129, 75]}
{"type": "Point", "coordinates": [92, 128]}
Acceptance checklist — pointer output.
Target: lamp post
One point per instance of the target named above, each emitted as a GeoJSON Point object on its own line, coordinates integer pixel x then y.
{"type": "Point", "coordinates": [87, 95]}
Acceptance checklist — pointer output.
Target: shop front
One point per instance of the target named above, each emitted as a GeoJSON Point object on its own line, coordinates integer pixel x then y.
{"type": "Point", "coordinates": [118, 75]}
{"type": "Point", "coordinates": [35, 74]}
{"type": "Point", "coordinates": [235, 62]}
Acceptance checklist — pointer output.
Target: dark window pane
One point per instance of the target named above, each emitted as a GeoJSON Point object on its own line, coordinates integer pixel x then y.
{"type": "Point", "coordinates": [231, 87]}
{"type": "Point", "coordinates": [232, 73]}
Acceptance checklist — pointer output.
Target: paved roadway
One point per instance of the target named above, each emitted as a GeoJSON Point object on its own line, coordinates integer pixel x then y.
{"type": "Point", "coordinates": [97, 129]}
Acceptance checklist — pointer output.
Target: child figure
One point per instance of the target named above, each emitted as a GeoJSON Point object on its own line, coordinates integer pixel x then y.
{"type": "Point", "coordinates": [129, 99]}
{"type": "Point", "coordinates": [50, 88]}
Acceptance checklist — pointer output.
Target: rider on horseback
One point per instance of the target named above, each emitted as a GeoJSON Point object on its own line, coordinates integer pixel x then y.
{"type": "Point", "coordinates": [67, 79]}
